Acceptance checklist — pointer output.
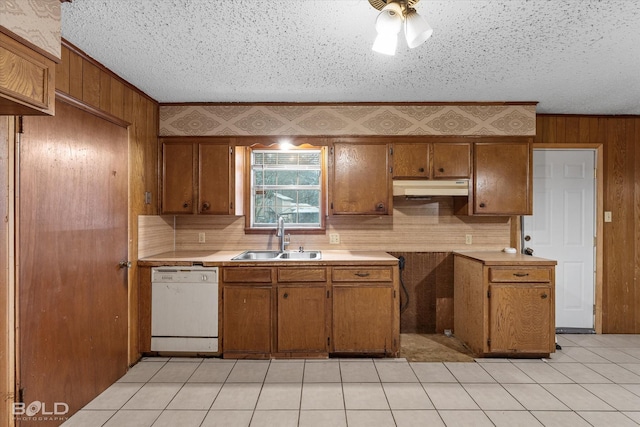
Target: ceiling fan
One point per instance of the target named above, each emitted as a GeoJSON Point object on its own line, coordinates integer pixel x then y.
{"type": "Point", "coordinates": [396, 15]}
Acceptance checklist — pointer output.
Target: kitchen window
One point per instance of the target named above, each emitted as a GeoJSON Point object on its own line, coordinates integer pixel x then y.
{"type": "Point", "coordinates": [287, 183]}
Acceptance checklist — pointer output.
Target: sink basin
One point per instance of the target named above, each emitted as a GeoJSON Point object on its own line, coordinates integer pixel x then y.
{"type": "Point", "coordinates": [256, 255]}
{"type": "Point", "coordinates": [301, 255]}
{"type": "Point", "coordinates": [259, 255]}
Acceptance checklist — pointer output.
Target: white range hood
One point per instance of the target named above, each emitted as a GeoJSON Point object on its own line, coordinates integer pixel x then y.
{"type": "Point", "coordinates": [424, 188]}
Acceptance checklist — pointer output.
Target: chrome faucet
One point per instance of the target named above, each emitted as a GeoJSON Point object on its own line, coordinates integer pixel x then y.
{"type": "Point", "coordinates": [284, 240]}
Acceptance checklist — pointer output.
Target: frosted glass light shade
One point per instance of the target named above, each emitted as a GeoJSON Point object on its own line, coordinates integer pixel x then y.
{"type": "Point", "coordinates": [389, 19]}
{"type": "Point", "coordinates": [416, 29]}
{"type": "Point", "coordinates": [385, 43]}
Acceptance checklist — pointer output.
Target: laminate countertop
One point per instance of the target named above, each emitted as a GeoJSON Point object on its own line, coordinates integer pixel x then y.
{"type": "Point", "coordinates": [503, 258]}
{"type": "Point", "coordinates": [223, 258]}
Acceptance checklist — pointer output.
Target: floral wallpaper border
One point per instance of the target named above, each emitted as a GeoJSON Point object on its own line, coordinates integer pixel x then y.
{"type": "Point", "coordinates": [346, 119]}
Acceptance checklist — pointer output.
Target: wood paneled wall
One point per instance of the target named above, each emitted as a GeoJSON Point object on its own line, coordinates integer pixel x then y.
{"type": "Point", "coordinates": [82, 80]}
{"type": "Point", "coordinates": [620, 138]}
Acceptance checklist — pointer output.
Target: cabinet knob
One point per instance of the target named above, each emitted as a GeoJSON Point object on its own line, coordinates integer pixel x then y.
{"type": "Point", "coordinates": [441, 170]}
{"type": "Point", "coordinates": [380, 207]}
{"type": "Point", "coordinates": [185, 205]}
{"type": "Point", "coordinates": [543, 296]}
{"type": "Point", "coordinates": [285, 296]}
{"type": "Point", "coordinates": [420, 169]}
{"type": "Point", "coordinates": [482, 205]}
{"type": "Point", "coordinates": [206, 206]}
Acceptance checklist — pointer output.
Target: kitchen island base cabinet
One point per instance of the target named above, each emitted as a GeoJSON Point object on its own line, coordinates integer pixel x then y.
{"type": "Point", "coordinates": [504, 304]}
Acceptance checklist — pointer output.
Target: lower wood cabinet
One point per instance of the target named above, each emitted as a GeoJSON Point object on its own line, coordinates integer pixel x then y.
{"type": "Point", "coordinates": [309, 311]}
{"type": "Point", "coordinates": [301, 319]}
{"type": "Point", "coordinates": [247, 318]}
{"type": "Point", "coordinates": [504, 304]}
{"type": "Point", "coordinates": [365, 310]}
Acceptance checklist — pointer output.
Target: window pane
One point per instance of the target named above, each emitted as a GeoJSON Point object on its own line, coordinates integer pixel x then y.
{"type": "Point", "coordinates": [288, 184]}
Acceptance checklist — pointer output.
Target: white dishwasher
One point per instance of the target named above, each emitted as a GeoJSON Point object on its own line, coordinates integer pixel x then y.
{"type": "Point", "coordinates": [184, 309]}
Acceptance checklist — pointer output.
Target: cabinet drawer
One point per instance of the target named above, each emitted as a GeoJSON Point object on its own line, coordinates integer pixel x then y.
{"type": "Point", "coordinates": [524, 274]}
{"type": "Point", "coordinates": [302, 274]}
{"type": "Point", "coordinates": [246, 275]}
{"type": "Point", "coordinates": [366, 274]}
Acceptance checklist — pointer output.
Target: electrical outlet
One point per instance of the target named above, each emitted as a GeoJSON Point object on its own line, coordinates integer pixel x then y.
{"type": "Point", "coordinates": [607, 216]}
{"type": "Point", "coordinates": [201, 238]}
{"type": "Point", "coordinates": [468, 239]}
{"type": "Point", "coordinates": [334, 239]}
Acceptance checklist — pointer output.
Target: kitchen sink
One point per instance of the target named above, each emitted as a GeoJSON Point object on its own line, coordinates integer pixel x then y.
{"type": "Point", "coordinates": [301, 255]}
{"type": "Point", "coordinates": [261, 255]}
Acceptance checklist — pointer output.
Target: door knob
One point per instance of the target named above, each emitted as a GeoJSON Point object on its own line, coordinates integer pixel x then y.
{"type": "Point", "coordinates": [527, 238]}
{"type": "Point", "coordinates": [528, 251]}
{"type": "Point", "coordinates": [124, 264]}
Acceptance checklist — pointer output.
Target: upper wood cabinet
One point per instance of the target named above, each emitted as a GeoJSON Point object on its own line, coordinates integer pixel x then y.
{"type": "Point", "coordinates": [197, 177]}
{"type": "Point", "coordinates": [502, 178]}
{"type": "Point", "coordinates": [360, 179]}
{"type": "Point", "coordinates": [27, 81]}
{"type": "Point", "coordinates": [432, 160]}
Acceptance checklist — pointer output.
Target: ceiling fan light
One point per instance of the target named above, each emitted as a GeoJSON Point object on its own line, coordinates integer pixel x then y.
{"type": "Point", "coordinates": [416, 29]}
{"type": "Point", "coordinates": [389, 19]}
{"type": "Point", "coordinates": [385, 43]}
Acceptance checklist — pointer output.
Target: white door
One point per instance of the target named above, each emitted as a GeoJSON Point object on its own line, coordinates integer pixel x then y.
{"type": "Point", "coordinates": [562, 228]}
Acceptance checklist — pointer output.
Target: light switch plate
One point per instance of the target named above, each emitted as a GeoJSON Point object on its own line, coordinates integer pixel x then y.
{"type": "Point", "coordinates": [607, 216]}
{"type": "Point", "coordinates": [334, 239]}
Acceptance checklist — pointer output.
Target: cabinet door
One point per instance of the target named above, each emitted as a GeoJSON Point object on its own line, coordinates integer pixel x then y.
{"type": "Point", "coordinates": [27, 85]}
{"type": "Point", "coordinates": [214, 183]}
{"type": "Point", "coordinates": [362, 319]}
{"type": "Point", "coordinates": [502, 176]}
{"type": "Point", "coordinates": [451, 160]}
{"type": "Point", "coordinates": [246, 319]}
{"type": "Point", "coordinates": [302, 318]}
{"type": "Point", "coordinates": [411, 160]}
{"type": "Point", "coordinates": [520, 318]}
{"type": "Point", "coordinates": [177, 178]}
{"type": "Point", "coordinates": [360, 183]}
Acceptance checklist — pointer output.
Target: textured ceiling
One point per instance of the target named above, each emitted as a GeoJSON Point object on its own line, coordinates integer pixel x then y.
{"type": "Point", "coordinates": [572, 56]}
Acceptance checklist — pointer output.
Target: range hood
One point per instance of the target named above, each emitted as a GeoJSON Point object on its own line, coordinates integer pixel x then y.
{"type": "Point", "coordinates": [424, 188]}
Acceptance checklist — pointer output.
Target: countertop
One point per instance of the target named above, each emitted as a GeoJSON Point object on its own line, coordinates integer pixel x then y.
{"type": "Point", "coordinates": [222, 258]}
{"type": "Point", "coordinates": [503, 258]}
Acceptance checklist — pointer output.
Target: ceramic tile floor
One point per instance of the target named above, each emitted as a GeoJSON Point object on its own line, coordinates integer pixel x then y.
{"type": "Point", "coordinates": [593, 381]}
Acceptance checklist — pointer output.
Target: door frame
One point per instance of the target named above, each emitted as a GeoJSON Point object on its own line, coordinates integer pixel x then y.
{"type": "Point", "coordinates": [8, 277]}
{"type": "Point", "coordinates": [599, 218]}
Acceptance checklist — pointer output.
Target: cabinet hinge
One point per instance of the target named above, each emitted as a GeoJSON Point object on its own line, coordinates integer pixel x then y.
{"type": "Point", "coordinates": [20, 124]}
{"type": "Point", "coordinates": [391, 169]}
{"type": "Point", "coordinates": [394, 293]}
{"type": "Point", "coordinates": [230, 150]}
{"type": "Point", "coordinates": [594, 309]}
{"type": "Point", "coordinates": [488, 294]}
{"type": "Point", "coordinates": [327, 294]}
{"type": "Point", "coordinates": [231, 205]}
{"type": "Point", "coordinates": [489, 342]}
{"type": "Point", "coordinates": [391, 151]}
{"type": "Point", "coordinates": [331, 205]}
{"type": "Point", "coordinates": [328, 341]}
{"type": "Point", "coordinates": [331, 151]}
{"type": "Point", "coordinates": [20, 397]}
